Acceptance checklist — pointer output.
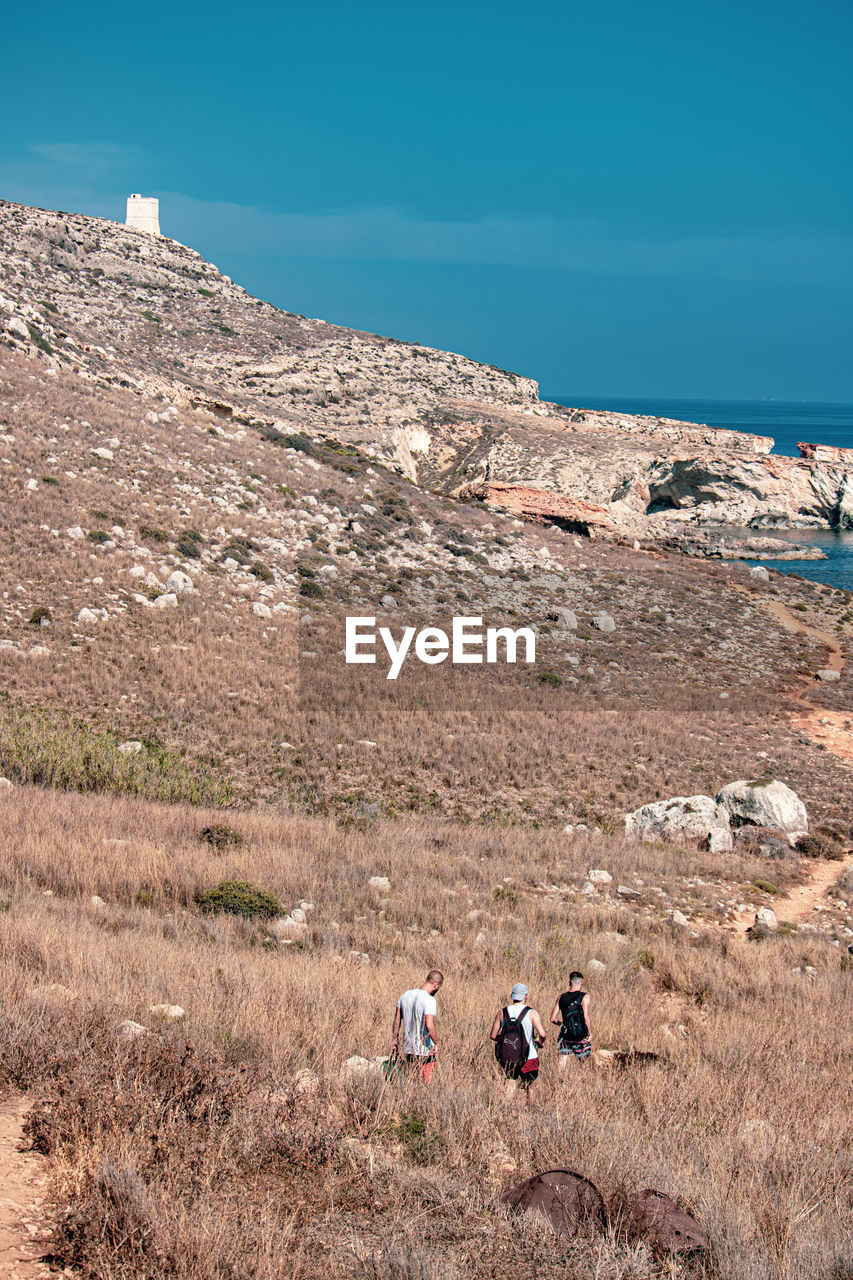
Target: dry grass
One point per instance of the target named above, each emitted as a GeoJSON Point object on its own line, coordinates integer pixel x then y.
{"type": "Point", "coordinates": [193, 1154]}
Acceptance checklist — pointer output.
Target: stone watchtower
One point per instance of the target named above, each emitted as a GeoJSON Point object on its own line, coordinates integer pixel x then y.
{"type": "Point", "coordinates": [143, 214]}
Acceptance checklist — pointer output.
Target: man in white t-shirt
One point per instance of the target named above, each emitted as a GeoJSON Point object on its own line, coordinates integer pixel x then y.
{"type": "Point", "coordinates": [415, 1017]}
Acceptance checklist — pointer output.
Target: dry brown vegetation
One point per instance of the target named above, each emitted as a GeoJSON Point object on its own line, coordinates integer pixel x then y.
{"type": "Point", "coordinates": [204, 1153]}
{"type": "Point", "coordinates": [204, 1150]}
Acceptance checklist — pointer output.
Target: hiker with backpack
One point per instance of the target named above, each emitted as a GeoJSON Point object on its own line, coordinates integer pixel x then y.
{"type": "Point", "coordinates": [571, 1015]}
{"type": "Point", "coordinates": [414, 1016]}
{"type": "Point", "coordinates": [517, 1032]}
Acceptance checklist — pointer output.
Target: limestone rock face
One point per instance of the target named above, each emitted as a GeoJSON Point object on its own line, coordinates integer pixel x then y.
{"type": "Point", "coordinates": [691, 817]}
{"type": "Point", "coordinates": [765, 804]}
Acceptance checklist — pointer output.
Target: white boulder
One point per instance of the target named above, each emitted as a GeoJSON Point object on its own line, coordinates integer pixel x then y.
{"type": "Point", "coordinates": [168, 600]}
{"type": "Point", "coordinates": [87, 615]}
{"type": "Point", "coordinates": [765, 804]}
{"type": "Point", "coordinates": [690, 817]}
{"type": "Point", "coordinates": [567, 619]}
{"type": "Point", "coordinates": [599, 876]}
{"type": "Point", "coordinates": [179, 582]}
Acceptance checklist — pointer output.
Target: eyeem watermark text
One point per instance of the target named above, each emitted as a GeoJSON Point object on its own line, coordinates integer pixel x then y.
{"type": "Point", "coordinates": [468, 642]}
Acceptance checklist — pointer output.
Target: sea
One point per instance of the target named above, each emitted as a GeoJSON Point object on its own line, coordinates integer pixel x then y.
{"type": "Point", "coordinates": [787, 422]}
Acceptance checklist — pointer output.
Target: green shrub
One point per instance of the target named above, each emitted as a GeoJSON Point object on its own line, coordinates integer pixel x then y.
{"type": "Point", "coordinates": [238, 898]}
{"type": "Point", "coordinates": [150, 534]}
{"type": "Point", "coordinates": [187, 544]}
{"type": "Point", "coordinates": [220, 836]}
{"type": "Point", "coordinates": [261, 571]}
{"type": "Point", "coordinates": [39, 615]}
{"type": "Point", "coordinates": [49, 480]}
{"type": "Point", "coordinates": [550, 678]}
{"type": "Point", "coordinates": [149, 315]}
{"type": "Point", "coordinates": [312, 589]}
{"type": "Point", "coordinates": [98, 536]}
{"type": "Point", "coordinates": [206, 293]}
{"type": "Point", "coordinates": [305, 571]}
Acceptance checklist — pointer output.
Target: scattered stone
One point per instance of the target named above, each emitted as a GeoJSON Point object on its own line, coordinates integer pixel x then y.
{"type": "Point", "coordinates": [106, 454]}
{"type": "Point", "coordinates": [166, 601]}
{"type": "Point", "coordinates": [87, 615]}
{"type": "Point", "coordinates": [5, 785]}
{"type": "Point", "coordinates": [699, 817]}
{"type": "Point", "coordinates": [567, 619]}
{"type": "Point", "coordinates": [567, 1201]}
{"type": "Point", "coordinates": [261, 610]}
{"type": "Point", "coordinates": [97, 901]}
{"type": "Point", "coordinates": [596, 966]}
{"type": "Point", "coordinates": [286, 929]}
{"type": "Point", "coordinates": [766, 917]}
{"type": "Point", "coordinates": [130, 1030]}
{"type": "Point", "coordinates": [14, 324]}
{"type": "Point", "coordinates": [171, 1011]}
{"type": "Point", "coordinates": [680, 919]}
{"type": "Point", "coordinates": [604, 622]}
{"type": "Point", "coordinates": [357, 1068]}
{"type": "Point", "coordinates": [75, 533]}
{"type": "Point", "coordinates": [760, 573]}
{"type": "Point", "coordinates": [765, 804]}
{"type": "Point", "coordinates": [306, 1083]}
{"type": "Point", "coordinates": [599, 876]}
{"type": "Point", "coordinates": [388, 602]}
{"type": "Point", "coordinates": [381, 883]}
{"type": "Point", "coordinates": [625, 891]}
{"type": "Point", "coordinates": [359, 957]}
{"type": "Point", "coordinates": [132, 747]}
{"type": "Point", "coordinates": [298, 915]}
{"type": "Point", "coordinates": [827, 675]}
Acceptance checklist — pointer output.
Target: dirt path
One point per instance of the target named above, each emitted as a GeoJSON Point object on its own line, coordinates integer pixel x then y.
{"type": "Point", "coordinates": [22, 1176]}
{"type": "Point", "coordinates": [832, 729]}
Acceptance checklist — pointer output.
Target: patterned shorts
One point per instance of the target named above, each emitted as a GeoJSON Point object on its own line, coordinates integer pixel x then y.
{"type": "Point", "coordinates": [580, 1048]}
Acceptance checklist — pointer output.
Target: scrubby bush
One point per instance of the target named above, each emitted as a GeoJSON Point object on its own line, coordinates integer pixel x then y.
{"type": "Point", "coordinates": [220, 836]}
{"type": "Point", "coordinates": [820, 846]}
{"type": "Point", "coordinates": [238, 898]}
{"type": "Point", "coordinates": [311, 589]}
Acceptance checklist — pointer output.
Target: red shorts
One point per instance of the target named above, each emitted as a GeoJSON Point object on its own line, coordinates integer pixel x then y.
{"type": "Point", "coordinates": [426, 1065]}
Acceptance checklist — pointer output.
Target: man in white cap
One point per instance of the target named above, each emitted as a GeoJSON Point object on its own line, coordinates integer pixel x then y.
{"type": "Point", "coordinates": [517, 1032]}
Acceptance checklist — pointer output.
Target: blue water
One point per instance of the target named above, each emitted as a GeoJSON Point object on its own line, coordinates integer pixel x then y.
{"type": "Point", "coordinates": [788, 422]}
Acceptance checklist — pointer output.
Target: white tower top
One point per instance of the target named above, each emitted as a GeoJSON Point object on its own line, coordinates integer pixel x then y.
{"type": "Point", "coordinates": [143, 214]}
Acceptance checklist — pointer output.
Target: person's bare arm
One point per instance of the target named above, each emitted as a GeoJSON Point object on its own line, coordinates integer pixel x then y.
{"type": "Point", "coordinates": [556, 1016]}
{"type": "Point", "coordinates": [429, 1023]}
{"type": "Point", "coordinates": [585, 1007]}
{"type": "Point", "coordinates": [398, 1018]}
{"type": "Point", "coordinates": [496, 1025]}
{"type": "Point", "coordinates": [538, 1029]}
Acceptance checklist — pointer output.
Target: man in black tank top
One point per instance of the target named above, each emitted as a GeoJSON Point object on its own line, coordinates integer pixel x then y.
{"type": "Point", "coordinates": [571, 1015]}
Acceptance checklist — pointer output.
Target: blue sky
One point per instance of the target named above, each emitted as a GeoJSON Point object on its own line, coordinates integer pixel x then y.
{"type": "Point", "coordinates": [620, 200]}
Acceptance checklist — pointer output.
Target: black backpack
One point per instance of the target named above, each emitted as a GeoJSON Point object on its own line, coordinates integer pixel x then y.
{"type": "Point", "coordinates": [574, 1026]}
{"type": "Point", "coordinates": [512, 1045]}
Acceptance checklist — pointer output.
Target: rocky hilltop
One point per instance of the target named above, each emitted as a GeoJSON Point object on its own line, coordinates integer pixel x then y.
{"type": "Point", "coordinates": [120, 307]}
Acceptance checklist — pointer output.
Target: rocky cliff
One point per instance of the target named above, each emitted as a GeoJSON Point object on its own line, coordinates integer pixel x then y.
{"type": "Point", "coordinates": [120, 307]}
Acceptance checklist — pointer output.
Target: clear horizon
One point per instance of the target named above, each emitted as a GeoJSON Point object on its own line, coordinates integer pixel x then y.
{"type": "Point", "coordinates": [635, 197]}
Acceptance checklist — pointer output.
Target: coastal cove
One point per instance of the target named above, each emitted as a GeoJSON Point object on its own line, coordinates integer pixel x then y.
{"type": "Point", "coordinates": [788, 423]}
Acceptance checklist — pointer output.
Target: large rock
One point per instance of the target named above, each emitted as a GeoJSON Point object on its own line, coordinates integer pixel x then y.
{"type": "Point", "coordinates": [659, 1221]}
{"type": "Point", "coordinates": [567, 1201]}
{"type": "Point", "coordinates": [682, 817]}
{"type": "Point", "coordinates": [765, 804]}
{"type": "Point", "coordinates": [179, 582]}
